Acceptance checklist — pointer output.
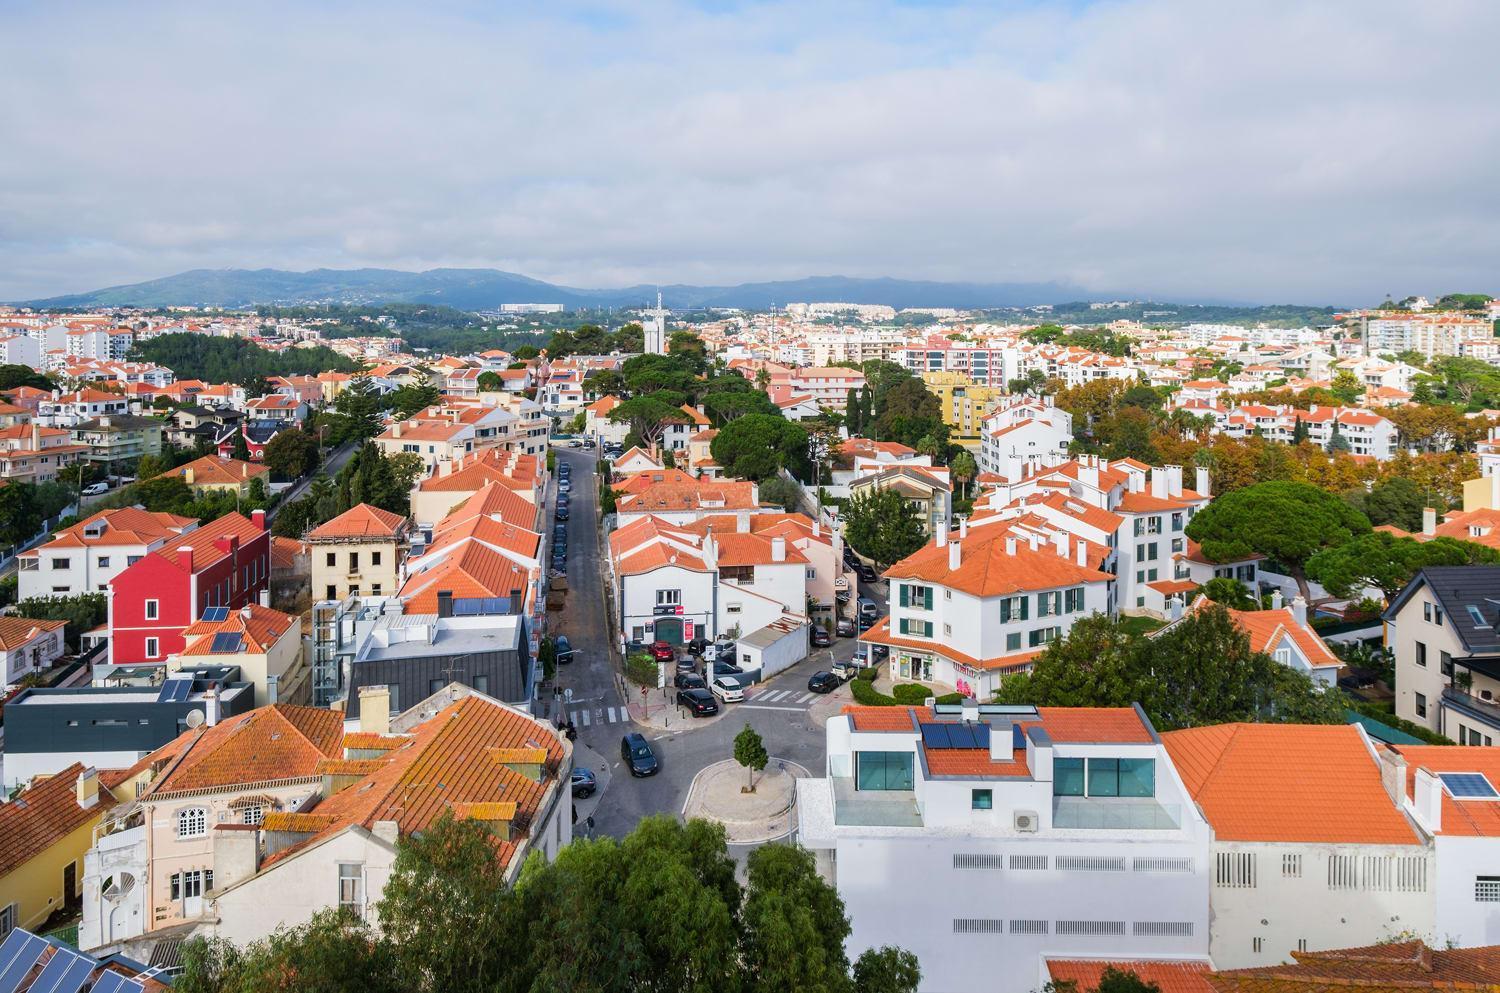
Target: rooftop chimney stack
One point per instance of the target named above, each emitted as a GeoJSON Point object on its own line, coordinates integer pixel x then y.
{"type": "Point", "coordinates": [1010, 545]}
{"type": "Point", "coordinates": [258, 518]}
{"type": "Point", "coordinates": [1299, 609]}
{"type": "Point", "coordinates": [185, 556]}
{"type": "Point", "coordinates": [778, 549]}
{"type": "Point", "coordinates": [375, 709]}
{"type": "Point", "coordinates": [1082, 549]}
{"type": "Point", "coordinates": [211, 706]}
{"type": "Point", "coordinates": [1276, 600]}
{"type": "Point", "coordinates": [963, 528]}
{"type": "Point", "coordinates": [88, 788]}
{"type": "Point", "coordinates": [1429, 521]}
{"type": "Point", "coordinates": [1202, 482]}
{"type": "Point", "coordinates": [955, 555]}
{"type": "Point", "coordinates": [273, 689]}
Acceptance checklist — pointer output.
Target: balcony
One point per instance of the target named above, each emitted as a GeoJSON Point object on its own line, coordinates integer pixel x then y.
{"type": "Point", "coordinates": [1472, 706]}
{"type": "Point", "coordinates": [1114, 814]}
{"type": "Point", "coordinates": [873, 808]}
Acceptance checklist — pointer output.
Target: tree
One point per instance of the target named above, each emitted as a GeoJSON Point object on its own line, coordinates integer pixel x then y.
{"type": "Point", "coordinates": [240, 449]}
{"type": "Point", "coordinates": [778, 492]}
{"type": "Point", "coordinates": [490, 382]}
{"type": "Point", "coordinates": [795, 927]}
{"type": "Point", "coordinates": [756, 446]}
{"type": "Point", "coordinates": [886, 970]}
{"type": "Point", "coordinates": [725, 407]}
{"type": "Point", "coordinates": [1230, 592]}
{"type": "Point", "coordinates": [1347, 386]}
{"type": "Point", "coordinates": [689, 347]}
{"type": "Point", "coordinates": [20, 514]}
{"type": "Point", "coordinates": [83, 612]}
{"type": "Point", "coordinates": [1389, 562]}
{"type": "Point", "coordinates": [15, 376]}
{"type": "Point", "coordinates": [335, 952]}
{"type": "Point", "coordinates": [1113, 980]}
{"type": "Point", "coordinates": [168, 494]}
{"type": "Point", "coordinates": [1299, 431]}
{"type": "Point", "coordinates": [1336, 440]}
{"type": "Point", "coordinates": [235, 360]}
{"type": "Point", "coordinates": [964, 468]}
{"type": "Point", "coordinates": [852, 411]}
{"type": "Point", "coordinates": [762, 378]}
{"type": "Point", "coordinates": [750, 752]}
{"type": "Point", "coordinates": [292, 454]}
{"type": "Point", "coordinates": [1290, 522]}
{"type": "Point", "coordinates": [407, 400]}
{"type": "Point", "coordinates": [908, 414]}
{"type": "Point", "coordinates": [647, 416]}
{"type": "Point", "coordinates": [361, 404]}
{"type": "Point", "coordinates": [1034, 383]}
{"type": "Point", "coordinates": [1397, 501]}
{"type": "Point", "coordinates": [882, 526]}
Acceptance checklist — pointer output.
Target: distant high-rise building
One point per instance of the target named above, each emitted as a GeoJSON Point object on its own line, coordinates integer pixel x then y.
{"type": "Point", "coordinates": [655, 328]}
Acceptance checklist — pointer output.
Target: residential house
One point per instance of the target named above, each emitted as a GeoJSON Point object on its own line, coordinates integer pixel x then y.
{"type": "Point", "coordinates": [44, 832]}
{"type": "Point", "coordinates": [436, 442]}
{"type": "Point", "coordinates": [265, 644]}
{"type": "Point", "coordinates": [217, 473]}
{"type": "Point", "coordinates": [1443, 634]}
{"type": "Point", "coordinates": [1282, 633]}
{"type": "Point", "coordinates": [358, 552]}
{"type": "Point", "coordinates": [925, 489]}
{"type": "Point", "coordinates": [85, 557]}
{"type": "Point", "coordinates": [30, 453]}
{"type": "Point", "coordinates": [27, 647]}
{"type": "Point", "coordinates": [452, 483]}
{"type": "Point", "coordinates": [1024, 434]}
{"type": "Point", "coordinates": [118, 438]}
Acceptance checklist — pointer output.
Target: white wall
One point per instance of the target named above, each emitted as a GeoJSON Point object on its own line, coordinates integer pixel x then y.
{"type": "Point", "coordinates": [1460, 918]}
{"type": "Point", "coordinates": [638, 598]}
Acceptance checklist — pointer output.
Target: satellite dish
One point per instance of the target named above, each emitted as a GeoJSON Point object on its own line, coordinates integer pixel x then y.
{"type": "Point", "coordinates": [195, 718]}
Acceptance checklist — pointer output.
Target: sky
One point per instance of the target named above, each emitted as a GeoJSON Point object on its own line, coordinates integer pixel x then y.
{"type": "Point", "coordinates": [1263, 150]}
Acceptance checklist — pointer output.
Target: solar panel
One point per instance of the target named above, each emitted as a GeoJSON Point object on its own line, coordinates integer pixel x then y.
{"type": "Point", "coordinates": [935, 736]}
{"type": "Point", "coordinates": [1468, 785]}
{"type": "Point", "coordinates": [1017, 738]}
{"type": "Point", "coordinates": [227, 641]}
{"type": "Point", "coordinates": [58, 970]}
{"type": "Point", "coordinates": [17, 956]}
{"type": "Point", "coordinates": [175, 690]}
{"type": "Point", "coordinates": [961, 736]}
{"type": "Point", "coordinates": [113, 982]}
{"type": "Point", "coordinates": [215, 614]}
{"type": "Point", "coordinates": [77, 975]}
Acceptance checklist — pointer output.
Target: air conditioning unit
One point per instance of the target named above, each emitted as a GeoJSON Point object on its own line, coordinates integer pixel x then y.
{"type": "Point", "coordinates": [1026, 821]}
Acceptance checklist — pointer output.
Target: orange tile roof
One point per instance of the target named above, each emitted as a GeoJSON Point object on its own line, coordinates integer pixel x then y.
{"type": "Point", "coordinates": [1085, 725]}
{"type": "Point", "coordinates": [514, 471]}
{"type": "Point", "coordinates": [478, 527]}
{"type": "Point", "coordinates": [1169, 976]}
{"type": "Point", "coordinates": [1464, 818]}
{"type": "Point", "coordinates": [886, 718]}
{"type": "Point", "coordinates": [360, 521]}
{"type": "Point", "coordinates": [17, 631]}
{"type": "Point", "coordinates": [125, 526]}
{"type": "Point", "coordinates": [986, 569]}
{"type": "Point", "coordinates": [214, 470]}
{"type": "Point", "coordinates": [1265, 628]}
{"type": "Point", "coordinates": [1317, 784]}
{"type": "Point", "coordinates": [1144, 503]}
{"type": "Point", "coordinates": [267, 744]}
{"type": "Point", "coordinates": [439, 768]}
{"type": "Point", "coordinates": [261, 629]}
{"type": "Point", "coordinates": [204, 540]}
{"type": "Point", "coordinates": [492, 500]}
{"type": "Point", "coordinates": [1404, 965]}
{"type": "Point", "coordinates": [43, 815]}
{"type": "Point", "coordinates": [740, 548]}
{"type": "Point", "coordinates": [284, 551]}
{"type": "Point", "coordinates": [474, 571]}
{"type": "Point", "coordinates": [708, 495]}
{"type": "Point", "coordinates": [974, 762]}
{"type": "Point", "coordinates": [635, 482]}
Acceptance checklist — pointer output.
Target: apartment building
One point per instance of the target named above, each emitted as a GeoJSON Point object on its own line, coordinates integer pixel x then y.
{"type": "Point", "coordinates": [64, 410]}
{"type": "Point", "coordinates": [434, 441]}
{"type": "Point", "coordinates": [84, 558]}
{"type": "Point", "coordinates": [20, 349]}
{"type": "Point", "coordinates": [1434, 334]}
{"type": "Point", "coordinates": [983, 363]}
{"type": "Point", "coordinates": [825, 348]}
{"type": "Point", "coordinates": [827, 386]}
{"type": "Point", "coordinates": [926, 489]}
{"type": "Point", "coordinates": [359, 552]}
{"type": "Point", "coordinates": [117, 438]}
{"type": "Point", "coordinates": [452, 483]}
{"type": "Point", "coordinates": [30, 453]}
{"type": "Point", "coordinates": [1443, 633]}
{"type": "Point", "coordinates": [970, 607]}
{"type": "Point", "coordinates": [1366, 432]}
{"type": "Point", "coordinates": [964, 403]}
{"type": "Point", "coordinates": [1021, 435]}
{"type": "Point", "coordinates": [984, 838]}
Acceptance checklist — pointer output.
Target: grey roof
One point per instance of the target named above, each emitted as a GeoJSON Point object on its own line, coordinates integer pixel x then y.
{"type": "Point", "coordinates": [1456, 588]}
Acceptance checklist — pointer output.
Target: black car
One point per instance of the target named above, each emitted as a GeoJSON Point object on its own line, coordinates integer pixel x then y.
{"type": "Point", "coordinates": [689, 681]}
{"type": "Point", "coordinates": [699, 700]}
{"type": "Point", "coordinates": [727, 669]}
{"type": "Point", "coordinates": [820, 637]}
{"type": "Point", "coordinates": [637, 753]}
{"type": "Point", "coordinates": [564, 649]}
{"type": "Point", "coordinates": [846, 628]}
{"type": "Point", "coordinates": [698, 645]}
{"type": "Point", "coordinates": [879, 652]}
{"type": "Point", "coordinates": [562, 514]}
{"type": "Point", "coordinates": [584, 783]}
{"type": "Point", "coordinates": [866, 623]}
{"type": "Point", "coordinates": [822, 682]}
{"type": "Point", "coordinates": [865, 572]}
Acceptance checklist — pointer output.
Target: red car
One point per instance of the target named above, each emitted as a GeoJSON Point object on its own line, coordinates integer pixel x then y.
{"type": "Point", "coordinates": [662, 652]}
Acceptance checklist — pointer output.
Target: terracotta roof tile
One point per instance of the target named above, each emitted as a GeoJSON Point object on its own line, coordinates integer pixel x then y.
{"type": "Point", "coordinates": [43, 815]}
{"type": "Point", "coordinates": [270, 743]}
{"type": "Point", "coordinates": [986, 569]}
{"type": "Point", "coordinates": [360, 521]}
{"type": "Point", "coordinates": [1171, 977]}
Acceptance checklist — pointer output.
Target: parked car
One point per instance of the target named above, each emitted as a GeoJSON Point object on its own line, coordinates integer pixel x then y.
{"type": "Point", "coordinates": [880, 652]}
{"type": "Point", "coordinates": [820, 637]}
{"type": "Point", "coordinates": [588, 444]}
{"type": "Point", "coordinates": [727, 669]}
{"type": "Point", "coordinates": [95, 489]}
{"type": "Point", "coordinates": [574, 443]}
{"type": "Point", "coordinates": [720, 651]}
{"type": "Point", "coordinates": [823, 681]}
{"type": "Point", "coordinates": [699, 701]}
{"type": "Point", "coordinates": [845, 670]}
{"type": "Point", "coordinates": [868, 608]}
{"type": "Point", "coordinates": [698, 645]}
{"type": "Point", "coordinates": [688, 681]}
{"type": "Point", "coordinates": [846, 628]}
{"type": "Point", "coordinates": [564, 486]}
{"type": "Point", "coordinates": [637, 753]}
{"type": "Point", "coordinates": [562, 513]}
{"type": "Point", "coordinates": [564, 649]}
{"type": "Point", "coordinates": [861, 657]}
{"type": "Point", "coordinates": [662, 652]}
{"type": "Point", "coordinates": [687, 665]}
{"type": "Point", "coordinates": [866, 573]}
{"type": "Point", "coordinates": [584, 783]}
{"type": "Point", "coordinates": [728, 689]}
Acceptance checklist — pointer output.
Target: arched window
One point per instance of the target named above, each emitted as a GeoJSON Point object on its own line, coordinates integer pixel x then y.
{"type": "Point", "coordinates": [192, 822]}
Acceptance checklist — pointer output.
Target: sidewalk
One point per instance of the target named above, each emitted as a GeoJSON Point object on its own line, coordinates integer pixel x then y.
{"type": "Point", "coordinates": [658, 710]}
{"type": "Point", "coordinates": [716, 794]}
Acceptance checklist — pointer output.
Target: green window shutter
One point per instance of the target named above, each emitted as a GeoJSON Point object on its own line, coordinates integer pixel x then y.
{"type": "Point", "coordinates": [927, 598]}
{"type": "Point", "coordinates": [904, 597]}
{"type": "Point", "coordinates": [1025, 604]}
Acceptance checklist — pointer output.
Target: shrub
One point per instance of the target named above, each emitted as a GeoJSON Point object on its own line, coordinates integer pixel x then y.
{"type": "Point", "coordinates": [951, 698]}
{"type": "Point", "coordinates": [641, 669]}
{"type": "Point", "coordinates": [868, 695]}
{"type": "Point", "coordinates": [868, 674]}
{"type": "Point", "coordinates": [914, 694]}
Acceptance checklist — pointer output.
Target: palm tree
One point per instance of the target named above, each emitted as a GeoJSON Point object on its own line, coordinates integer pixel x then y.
{"type": "Point", "coordinates": [762, 377]}
{"type": "Point", "coordinates": [964, 469]}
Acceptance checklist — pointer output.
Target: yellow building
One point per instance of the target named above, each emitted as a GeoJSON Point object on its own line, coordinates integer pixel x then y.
{"type": "Point", "coordinates": [44, 833]}
{"type": "Point", "coordinates": [266, 644]}
{"type": "Point", "coordinates": [358, 553]}
{"type": "Point", "coordinates": [964, 404]}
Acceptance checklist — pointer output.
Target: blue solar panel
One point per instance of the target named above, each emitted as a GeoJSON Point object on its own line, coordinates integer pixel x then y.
{"type": "Point", "coordinates": [17, 956]}
{"type": "Point", "coordinates": [960, 736]}
{"type": "Point", "coordinates": [215, 614]}
{"type": "Point", "coordinates": [227, 641]}
{"type": "Point", "coordinates": [57, 971]}
{"type": "Point", "coordinates": [1017, 738]}
{"type": "Point", "coordinates": [1468, 785]}
{"type": "Point", "coordinates": [76, 977]}
{"type": "Point", "coordinates": [935, 736]}
{"type": "Point", "coordinates": [176, 690]}
{"type": "Point", "coordinates": [113, 982]}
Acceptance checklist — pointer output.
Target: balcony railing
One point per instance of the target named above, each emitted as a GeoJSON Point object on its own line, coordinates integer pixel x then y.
{"type": "Point", "coordinates": [873, 808]}
{"type": "Point", "coordinates": [1110, 814]}
{"type": "Point", "coordinates": [1483, 710]}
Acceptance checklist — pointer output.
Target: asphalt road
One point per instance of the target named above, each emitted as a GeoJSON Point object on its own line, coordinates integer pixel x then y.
{"type": "Point", "coordinates": [777, 709]}
{"type": "Point", "coordinates": [330, 467]}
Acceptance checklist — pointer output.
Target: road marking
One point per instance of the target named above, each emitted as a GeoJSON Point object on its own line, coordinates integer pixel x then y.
{"type": "Point", "coordinates": [583, 718]}
{"type": "Point", "coordinates": [751, 706]}
{"type": "Point", "coordinates": [773, 695]}
{"type": "Point", "coordinates": [612, 715]}
{"type": "Point", "coordinates": [806, 697]}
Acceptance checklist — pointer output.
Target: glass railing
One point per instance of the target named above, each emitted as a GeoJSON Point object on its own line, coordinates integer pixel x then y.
{"type": "Point", "coordinates": [1111, 814]}
{"type": "Point", "coordinates": [873, 808]}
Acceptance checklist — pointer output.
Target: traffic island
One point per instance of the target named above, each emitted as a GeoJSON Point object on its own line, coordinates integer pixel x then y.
{"type": "Point", "coordinates": [716, 794]}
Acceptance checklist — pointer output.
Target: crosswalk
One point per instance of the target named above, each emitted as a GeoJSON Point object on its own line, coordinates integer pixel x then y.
{"type": "Point", "coordinates": [784, 697]}
{"type": "Point", "coordinates": [589, 716]}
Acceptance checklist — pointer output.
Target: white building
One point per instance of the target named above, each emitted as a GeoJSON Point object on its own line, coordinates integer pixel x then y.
{"type": "Point", "coordinates": [1022, 435]}
{"type": "Point", "coordinates": [983, 839]}
{"type": "Point", "coordinates": [87, 556]}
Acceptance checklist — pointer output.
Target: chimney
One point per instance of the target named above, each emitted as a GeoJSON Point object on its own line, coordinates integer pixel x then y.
{"type": "Point", "coordinates": [1081, 547]}
{"type": "Point", "coordinates": [1429, 521]}
{"type": "Point", "coordinates": [1276, 600]}
{"type": "Point", "coordinates": [187, 475]}
{"type": "Point", "coordinates": [396, 430]}
{"type": "Point", "coordinates": [1031, 540]}
{"type": "Point", "coordinates": [1060, 542]}
{"type": "Point", "coordinates": [1299, 609]}
{"type": "Point", "coordinates": [445, 603]}
{"type": "Point", "coordinates": [211, 706]}
{"type": "Point", "coordinates": [963, 528]}
{"type": "Point", "coordinates": [778, 549]}
{"type": "Point", "coordinates": [246, 612]}
{"type": "Point", "coordinates": [1174, 607]}
{"type": "Point", "coordinates": [1202, 482]}
{"type": "Point", "coordinates": [88, 788]}
{"type": "Point", "coordinates": [236, 853]}
{"type": "Point", "coordinates": [185, 556]}
{"type": "Point", "coordinates": [1174, 480]}
{"type": "Point", "coordinates": [265, 598]}
{"type": "Point", "coordinates": [955, 554]}
{"type": "Point", "coordinates": [36, 436]}
{"type": "Point", "coordinates": [258, 518]}
{"type": "Point", "coordinates": [1427, 798]}
{"type": "Point", "coordinates": [244, 470]}
{"type": "Point", "coordinates": [1010, 544]}
{"type": "Point", "coordinates": [1159, 484]}
{"type": "Point", "coordinates": [273, 689]}
{"type": "Point", "coordinates": [375, 709]}
{"type": "Point", "coordinates": [940, 534]}
{"type": "Point", "coordinates": [386, 831]}
{"type": "Point", "coordinates": [1393, 775]}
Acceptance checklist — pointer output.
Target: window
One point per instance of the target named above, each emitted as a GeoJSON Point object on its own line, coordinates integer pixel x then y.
{"type": "Point", "coordinates": [1067, 777]}
{"type": "Point", "coordinates": [1487, 889]}
{"type": "Point", "coordinates": [434, 686]}
{"type": "Point", "coordinates": [253, 815]}
{"type": "Point", "coordinates": [883, 770]}
{"type": "Point", "coordinates": [153, 610]}
{"type": "Point", "coordinates": [1014, 608]}
{"type": "Point", "coordinates": [1177, 521]}
{"type": "Point", "coordinates": [331, 560]}
{"type": "Point", "coordinates": [1049, 604]}
{"type": "Point", "coordinates": [981, 799]}
{"type": "Point", "coordinates": [374, 558]}
{"type": "Point", "coordinates": [352, 887]}
{"type": "Point", "coordinates": [1073, 600]}
{"type": "Point", "coordinates": [1421, 705]}
{"type": "Point", "coordinates": [1421, 654]}
{"type": "Point", "coordinates": [919, 597]}
{"type": "Point", "coordinates": [1013, 641]}
{"type": "Point", "coordinates": [374, 589]}
{"type": "Point", "coordinates": [668, 598]}
{"type": "Point", "coordinates": [192, 822]}
{"type": "Point", "coordinates": [1445, 663]}
{"type": "Point", "coordinates": [921, 629]}
{"type": "Point", "coordinates": [1043, 636]}
{"type": "Point", "coordinates": [1105, 777]}
{"type": "Point", "coordinates": [62, 563]}
{"type": "Point", "coordinates": [153, 648]}
{"type": "Point", "coordinates": [482, 684]}
{"type": "Point", "coordinates": [353, 561]}
{"type": "Point", "coordinates": [104, 561]}
{"type": "Point", "coordinates": [1476, 616]}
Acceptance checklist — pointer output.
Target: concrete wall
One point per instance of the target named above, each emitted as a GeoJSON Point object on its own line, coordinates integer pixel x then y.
{"type": "Point", "coordinates": [1460, 918]}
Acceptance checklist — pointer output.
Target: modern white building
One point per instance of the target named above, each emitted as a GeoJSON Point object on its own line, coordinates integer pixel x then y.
{"type": "Point", "coordinates": [984, 839]}
{"type": "Point", "coordinates": [87, 556]}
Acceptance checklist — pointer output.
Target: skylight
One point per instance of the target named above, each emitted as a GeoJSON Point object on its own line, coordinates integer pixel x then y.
{"type": "Point", "coordinates": [1475, 613]}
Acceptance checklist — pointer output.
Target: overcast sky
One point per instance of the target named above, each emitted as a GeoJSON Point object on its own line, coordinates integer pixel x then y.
{"type": "Point", "coordinates": [1298, 152]}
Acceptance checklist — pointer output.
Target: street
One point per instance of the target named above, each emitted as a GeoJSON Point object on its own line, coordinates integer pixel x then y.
{"type": "Point", "coordinates": [782, 710]}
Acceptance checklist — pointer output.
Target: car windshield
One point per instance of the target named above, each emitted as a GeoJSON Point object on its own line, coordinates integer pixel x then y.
{"type": "Point", "coordinates": [641, 752]}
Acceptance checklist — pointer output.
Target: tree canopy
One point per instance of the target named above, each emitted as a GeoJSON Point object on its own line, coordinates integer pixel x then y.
{"type": "Point", "coordinates": [881, 525]}
{"type": "Point", "coordinates": [1389, 562]}
{"type": "Point", "coordinates": [756, 446]}
{"type": "Point", "coordinates": [235, 360]}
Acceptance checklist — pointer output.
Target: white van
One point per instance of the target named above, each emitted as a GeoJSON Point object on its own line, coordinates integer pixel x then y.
{"type": "Point", "coordinates": [96, 489]}
{"type": "Point", "coordinates": [728, 689]}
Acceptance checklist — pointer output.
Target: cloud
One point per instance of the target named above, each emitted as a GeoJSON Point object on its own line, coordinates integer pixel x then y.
{"type": "Point", "coordinates": [1273, 150]}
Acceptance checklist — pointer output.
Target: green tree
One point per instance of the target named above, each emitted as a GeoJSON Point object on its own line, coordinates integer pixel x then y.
{"type": "Point", "coordinates": [20, 514]}
{"type": "Point", "coordinates": [1299, 431]}
{"type": "Point", "coordinates": [361, 404]}
{"type": "Point", "coordinates": [335, 952]}
{"type": "Point", "coordinates": [1398, 501]}
{"type": "Point", "coordinates": [1230, 592]}
{"type": "Point", "coordinates": [886, 970]}
{"type": "Point", "coordinates": [293, 453]}
{"type": "Point", "coordinates": [1113, 980]}
{"type": "Point", "coordinates": [964, 469]}
{"type": "Point", "coordinates": [689, 347]}
{"type": "Point", "coordinates": [1387, 562]}
{"type": "Point", "coordinates": [750, 752]}
{"type": "Point", "coordinates": [647, 416]}
{"type": "Point", "coordinates": [852, 411]}
{"type": "Point", "coordinates": [240, 449]}
{"type": "Point", "coordinates": [83, 612]}
{"type": "Point", "coordinates": [162, 494]}
{"type": "Point", "coordinates": [756, 446]}
{"type": "Point", "coordinates": [490, 382]}
{"type": "Point", "coordinates": [908, 414]}
{"type": "Point", "coordinates": [725, 407]}
{"type": "Point", "coordinates": [1034, 383]}
{"type": "Point", "coordinates": [882, 526]}
{"type": "Point", "coordinates": [15, 376]}
{"type": "Point", "coordinates": [405, 401]}
{"type": "Point", "coordinates": [235, 360]}
{"type": "Point", "coordinates": [1346, 386]}
{"type": "Point", "coordinates": [795, 927]}
{"type": "Point", "coordinates": [1336, 440]}
{"type": "Point", "coordinates": [777, 492]}
{"type": "Point", "coordinates": [1288, 521]}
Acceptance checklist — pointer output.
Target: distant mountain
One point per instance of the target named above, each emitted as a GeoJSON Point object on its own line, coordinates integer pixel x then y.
{"type": "Point", "coordinates": [483, 289]}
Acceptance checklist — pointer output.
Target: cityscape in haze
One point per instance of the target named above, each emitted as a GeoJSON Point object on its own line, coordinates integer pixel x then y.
{"type": "Point", "coordinates": [912, 497]}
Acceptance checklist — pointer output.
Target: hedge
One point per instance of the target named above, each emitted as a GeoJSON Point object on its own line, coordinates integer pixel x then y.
{"type": "Point", "coordinates": [641, 670]}
{"type": "Point", "coordinates": [905, 694]}
{"type": "Point", "coordinates": [1388, 718]}
{"type": "Point", "coordinates": [867, 694]}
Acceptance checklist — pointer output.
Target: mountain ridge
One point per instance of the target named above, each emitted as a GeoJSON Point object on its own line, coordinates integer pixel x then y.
{"type": "Point", "coordinates": [484, 289]}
